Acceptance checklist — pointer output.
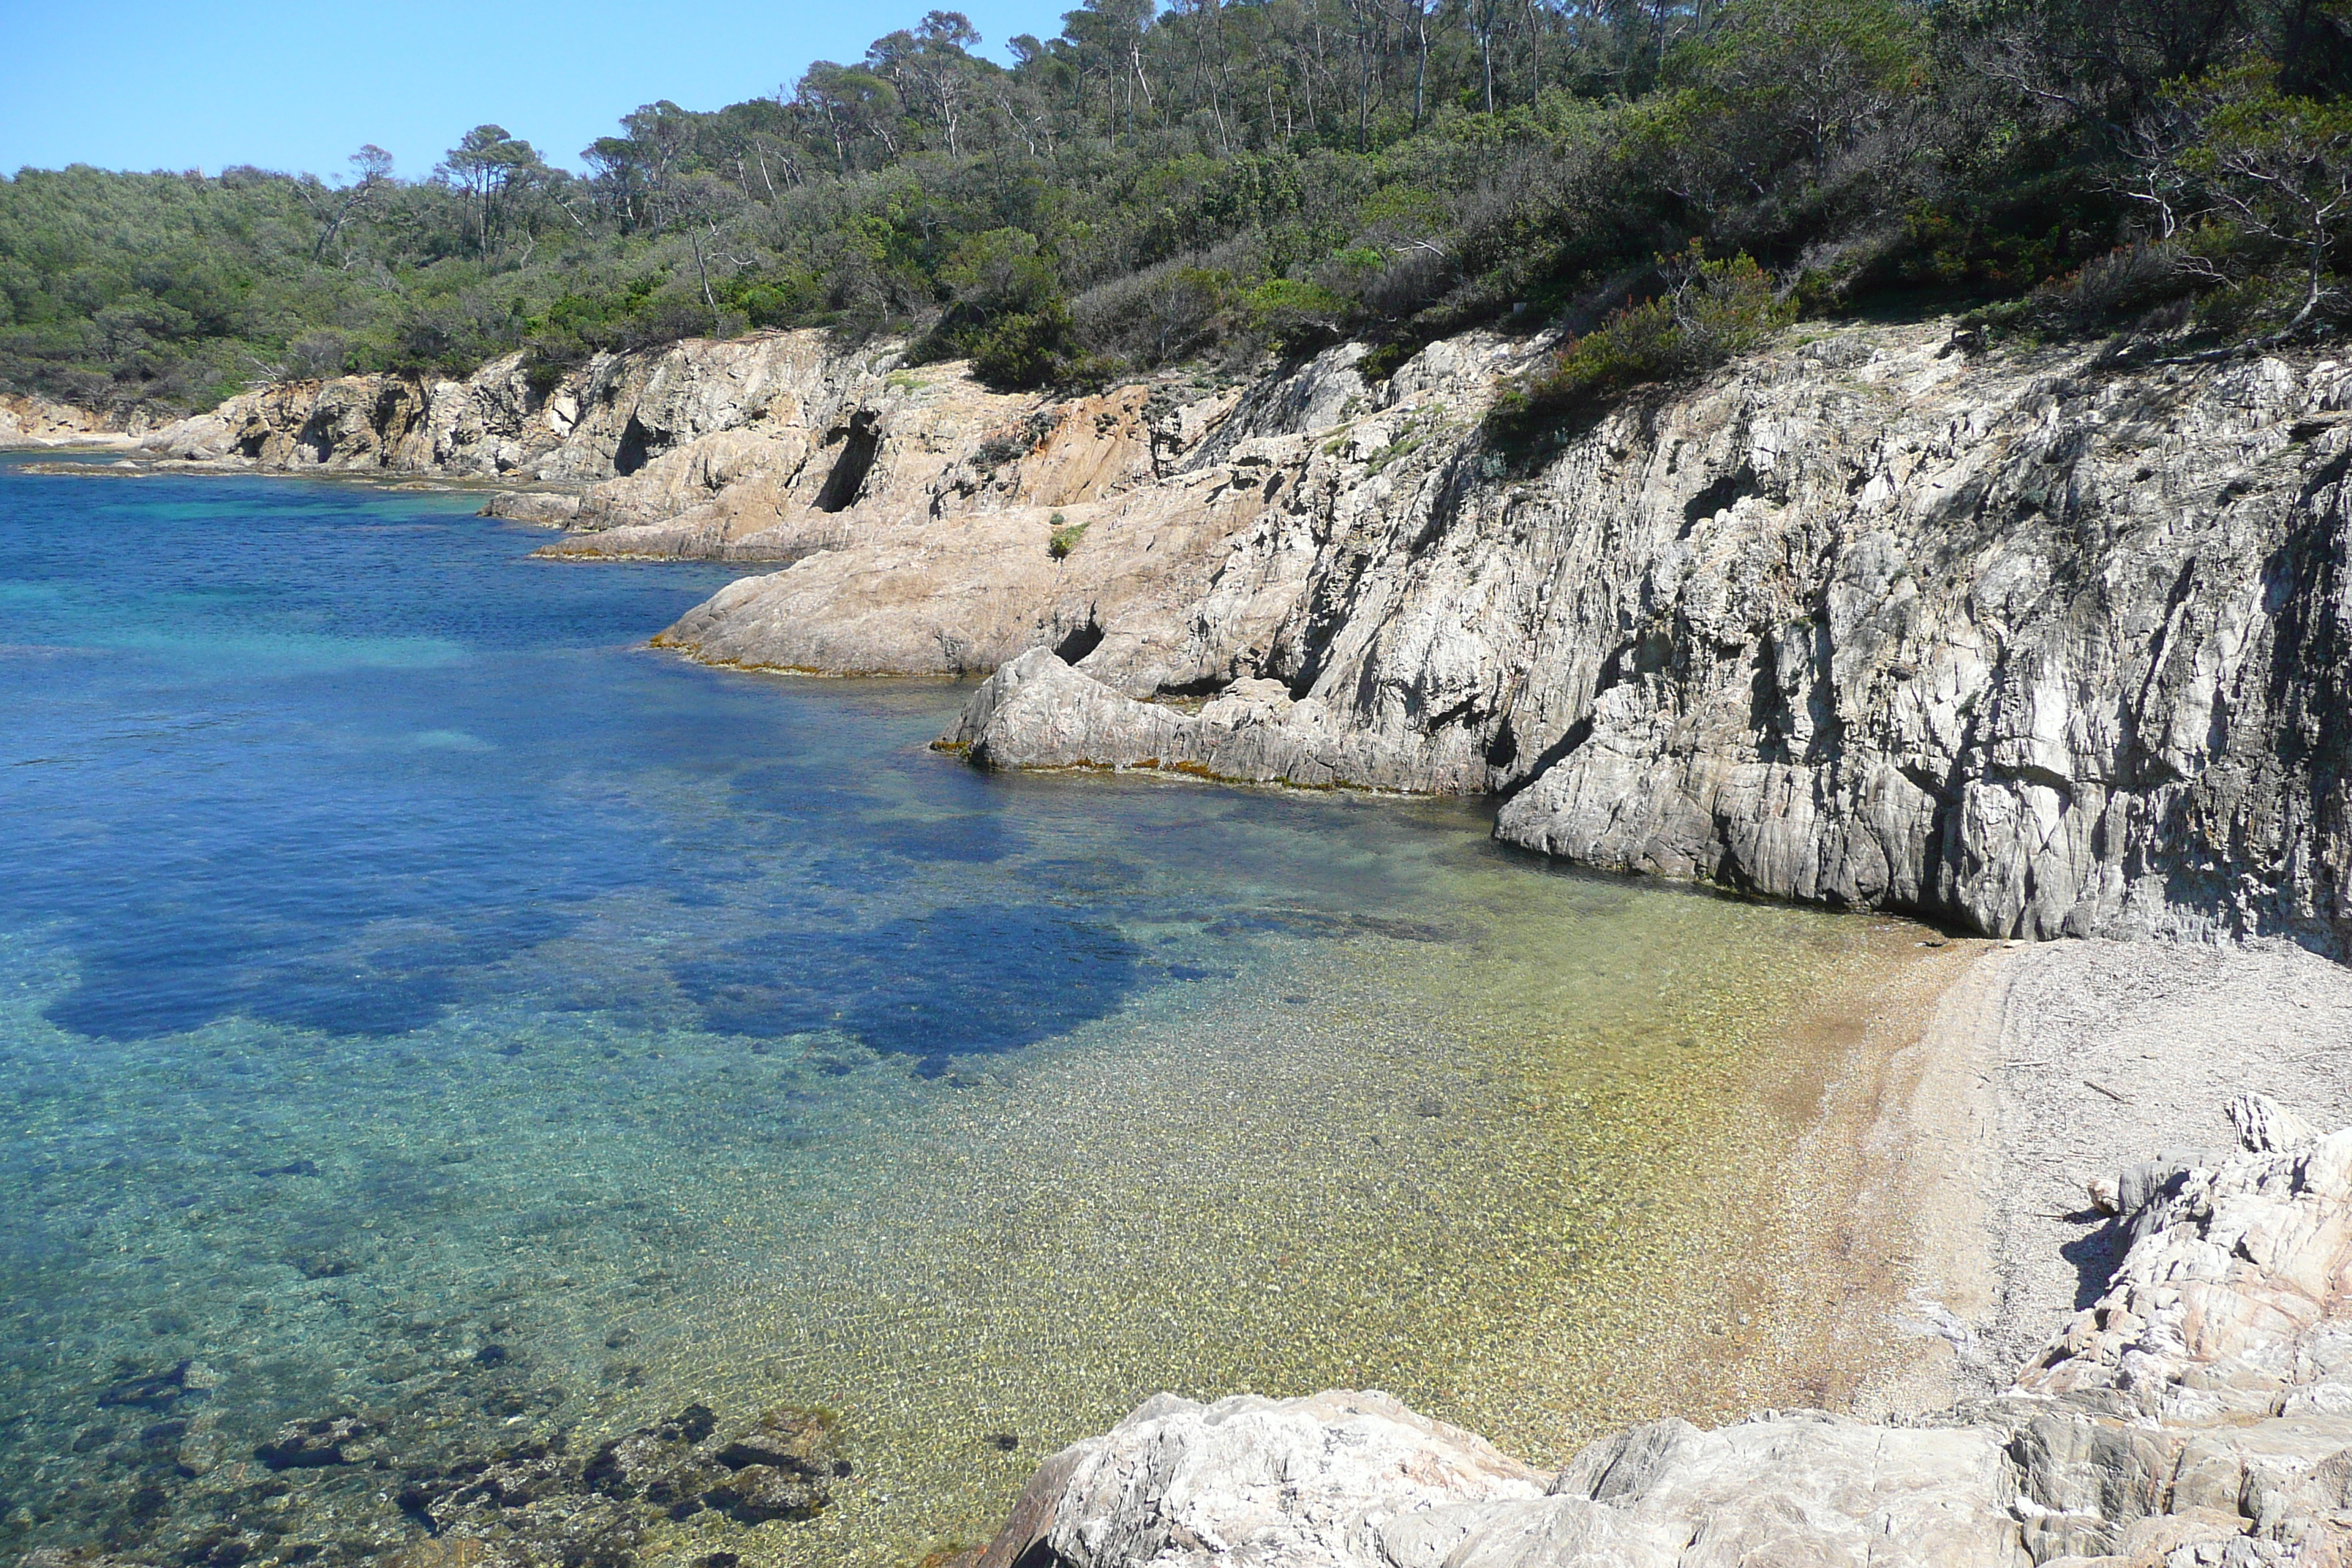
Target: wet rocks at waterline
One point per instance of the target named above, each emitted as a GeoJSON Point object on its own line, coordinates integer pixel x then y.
{"type": "Point", "coordinates": [2201, 1413]}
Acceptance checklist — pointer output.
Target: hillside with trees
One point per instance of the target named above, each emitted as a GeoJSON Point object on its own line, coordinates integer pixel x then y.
{"type": "Point", "coordinates": [1221, 181]}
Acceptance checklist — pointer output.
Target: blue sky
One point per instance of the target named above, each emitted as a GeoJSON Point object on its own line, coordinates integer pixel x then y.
{"type": "Point", "coordinates": [142, 85]}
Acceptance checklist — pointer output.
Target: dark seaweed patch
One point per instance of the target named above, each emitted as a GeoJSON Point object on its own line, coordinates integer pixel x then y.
{"type": "Point", "coordinates": [956, 981]}
{"type": "Point", "coordinates": [154, 1392]}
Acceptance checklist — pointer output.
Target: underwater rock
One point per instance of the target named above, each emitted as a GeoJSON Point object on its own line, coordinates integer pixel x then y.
{"type": "Point", "coordinates": [534, 1504]}
{"type": "Point", "coordinates": [953, 981]}
{"type": "Point", "coordinates": [154, 1392]}
{"type": "Point", "coordinates": [311, 1445]}
{"type": "Point", "coordinates": [759, 1493]}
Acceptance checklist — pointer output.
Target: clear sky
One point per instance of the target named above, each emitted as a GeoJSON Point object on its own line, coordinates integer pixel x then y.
{"type": "Point", "coordinates": [137, 84]}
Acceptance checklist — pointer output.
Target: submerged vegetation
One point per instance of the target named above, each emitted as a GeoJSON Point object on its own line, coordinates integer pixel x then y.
{"type": "Point", "coordinates": [1229, 179]}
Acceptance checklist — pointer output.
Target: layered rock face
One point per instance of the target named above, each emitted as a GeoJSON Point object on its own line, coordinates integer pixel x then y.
{"type": "Point", "coordinates": [2026, 641]}
{"type": "Point", "coordinates": [2028, 644]}
{"type": "Point", "coordinates": [2200, 1414]}
{"type": "Point", "coordinates": [613, 433]}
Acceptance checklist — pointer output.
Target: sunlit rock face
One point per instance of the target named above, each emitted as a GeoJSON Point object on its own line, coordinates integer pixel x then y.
{"type": "Point", "coordinates": [2036, 648]}
{"type": "Point", "coordinates": [2021, 639]}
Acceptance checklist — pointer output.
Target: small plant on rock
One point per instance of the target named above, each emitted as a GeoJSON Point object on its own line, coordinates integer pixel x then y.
{"type": "Point", "coordinates": [1065, 537]}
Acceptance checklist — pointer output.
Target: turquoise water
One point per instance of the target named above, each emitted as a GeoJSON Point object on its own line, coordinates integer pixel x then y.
{"type": "Point", "coordinates": [424, 1008]}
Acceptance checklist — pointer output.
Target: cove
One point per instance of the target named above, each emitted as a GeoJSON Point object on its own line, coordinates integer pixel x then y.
{"type": "Point", "coordinates": [423, 1007]}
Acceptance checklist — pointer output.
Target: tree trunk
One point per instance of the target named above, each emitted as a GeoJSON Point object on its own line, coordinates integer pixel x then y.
{"type": "Point", "coordinates": [1421, 64]}
{"type": "Point", "coordinates": [1535, 52]}
{"type": "Point", "coordinates": [703, 268]}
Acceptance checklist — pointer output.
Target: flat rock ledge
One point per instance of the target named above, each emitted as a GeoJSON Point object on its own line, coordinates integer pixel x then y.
{"type": "Point", "coordinates": [1036, 712]}
{"type": "Point", "coordinates": [2200, 1414]}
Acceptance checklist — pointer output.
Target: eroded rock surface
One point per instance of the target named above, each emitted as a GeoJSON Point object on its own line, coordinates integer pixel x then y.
{"type": "Point", "coordinates": [2021, 640]}
{"type": "Point", "coordinates": [40, 422]}
{"type": "Point", "coordinates": [2199, 1413]}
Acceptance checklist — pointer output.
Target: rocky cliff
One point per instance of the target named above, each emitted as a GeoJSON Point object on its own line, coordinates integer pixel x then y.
{"type": "Point", "coordinates": [2028, 640]}
{"type": "Point", "coordinates": [2201, 1413]}
{"type": "Point", "coordinates": [2022, 641]}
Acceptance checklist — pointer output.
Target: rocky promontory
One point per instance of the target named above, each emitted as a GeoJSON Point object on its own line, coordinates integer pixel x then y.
{"type": "Point", "coordinates": [2036, 640]}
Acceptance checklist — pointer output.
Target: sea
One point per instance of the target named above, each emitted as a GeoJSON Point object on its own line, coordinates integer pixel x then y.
{"type": "Point", "coordinates": [432, 1020]}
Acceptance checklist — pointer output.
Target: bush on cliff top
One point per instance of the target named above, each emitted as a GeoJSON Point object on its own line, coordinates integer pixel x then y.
{"type": "Point", "coordinates": [1710, 313]}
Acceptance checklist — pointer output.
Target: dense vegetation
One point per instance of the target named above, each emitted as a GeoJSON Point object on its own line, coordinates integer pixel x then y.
{"type": "Point", "coordinates": [1231, 177]}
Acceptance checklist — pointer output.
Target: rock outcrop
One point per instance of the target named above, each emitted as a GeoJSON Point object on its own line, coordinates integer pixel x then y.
{"type": "Point", "coordinates": [2028, 641]}
{"type": "Point", "coordinates": [39, 422]}
{"type": "Point", "coordinates": [2200, 1414]}
{"type": "Point", "coordinates": [1038, 712]}
{"type": "Point", "coordinates": [613, 422]}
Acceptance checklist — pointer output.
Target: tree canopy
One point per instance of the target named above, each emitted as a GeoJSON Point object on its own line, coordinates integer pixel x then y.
{"type": "Point", "coordinates": [1223, 178]}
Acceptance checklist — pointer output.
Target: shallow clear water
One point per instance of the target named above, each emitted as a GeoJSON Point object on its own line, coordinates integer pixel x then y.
{"type": "Point", "coordinates": [421, 1004]}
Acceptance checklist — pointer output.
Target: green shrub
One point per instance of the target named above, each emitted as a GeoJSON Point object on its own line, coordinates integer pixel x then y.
{"type": "Point", "coordinates": [1009, 317]}
{"type": "Point", "coordinates": [1289, 315]}
{"type": "Point", "coordinates": [1013, 444]}
{"type": "Point", "coordinates": [1029, 349]}
{"type": "Point", "coordinates": [784, 298]}
{"type": "Point", "coordinates": [1711, 313]}
{"type": "Point", "coordinates": [1065, 537]}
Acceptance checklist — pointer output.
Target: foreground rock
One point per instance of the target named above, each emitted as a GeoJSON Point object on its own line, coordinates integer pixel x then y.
{"type": "Point", "coordinates": [2201, 1413]}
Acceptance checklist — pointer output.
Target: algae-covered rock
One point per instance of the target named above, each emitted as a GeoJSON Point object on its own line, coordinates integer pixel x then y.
{"type": "Point", "coordinates": [539, 1502]}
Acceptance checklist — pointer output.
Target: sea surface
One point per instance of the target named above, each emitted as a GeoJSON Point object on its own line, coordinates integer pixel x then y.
{"type": "Point", "coordinates": [422, 1008]}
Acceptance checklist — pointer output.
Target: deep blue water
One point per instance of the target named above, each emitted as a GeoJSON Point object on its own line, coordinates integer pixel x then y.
{"type": "Point", "coordinates": [318, 757]}
{"type": "Point", "coordinates": [422, 1004]}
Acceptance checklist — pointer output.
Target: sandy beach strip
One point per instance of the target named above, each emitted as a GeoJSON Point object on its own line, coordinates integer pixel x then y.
{"type": "Point", "coordinates": [2035, 1068]}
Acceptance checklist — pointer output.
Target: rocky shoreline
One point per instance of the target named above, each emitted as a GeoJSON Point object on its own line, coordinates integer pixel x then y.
{"type": "Point", "coordinates": [38, 422]}
{"type": "Point", "coordinates": [2031, 642]}
{"type": "Point", "coordinates": [2034, 641]}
